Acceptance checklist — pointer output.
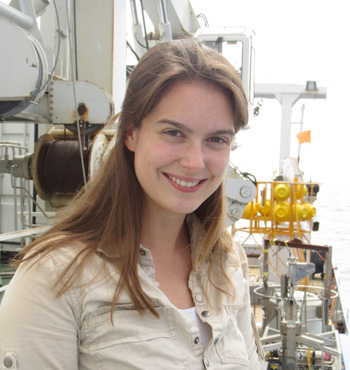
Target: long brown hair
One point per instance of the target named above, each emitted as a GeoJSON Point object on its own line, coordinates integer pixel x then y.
{"type": "Point", "coordinates": [107, 214]}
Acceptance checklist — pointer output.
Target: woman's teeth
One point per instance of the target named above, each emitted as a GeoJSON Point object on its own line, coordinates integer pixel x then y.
{"type": "Point", "coordinates": [183, 183]}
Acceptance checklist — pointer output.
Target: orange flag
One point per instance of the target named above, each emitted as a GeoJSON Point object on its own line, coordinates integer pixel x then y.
{"type": "Point", "coordinates": [304, 137]}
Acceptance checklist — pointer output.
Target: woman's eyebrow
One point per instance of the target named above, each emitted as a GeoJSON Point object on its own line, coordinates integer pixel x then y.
{"type": "Point", "coordinates": [183, 127]}
{"type": "Point", "coordinates": [179, 125]}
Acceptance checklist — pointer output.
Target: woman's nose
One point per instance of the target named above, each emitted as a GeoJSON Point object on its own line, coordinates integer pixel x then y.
{"type": "Point", "coordinates": [192, 157]}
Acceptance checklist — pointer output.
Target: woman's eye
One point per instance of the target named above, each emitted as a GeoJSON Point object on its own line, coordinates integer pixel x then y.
{"type": "Point", "coordinates": [219, 140]}
{"type": "Point", "coordinates": [173, 133]}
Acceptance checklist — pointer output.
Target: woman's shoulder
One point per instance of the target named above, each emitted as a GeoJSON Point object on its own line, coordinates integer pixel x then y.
{"type": "Point", "coordinates": [52, 249]}
{"type": "Point", "coordinates": [242, 257]}
{"type": "Point", "coordinates": [63, 260]}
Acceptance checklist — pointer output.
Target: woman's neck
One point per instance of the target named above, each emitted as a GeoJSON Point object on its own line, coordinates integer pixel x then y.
{"type": "Point", "coordinates": [167, 237]}
{"type": "Point", "coordinates": [164, 232]}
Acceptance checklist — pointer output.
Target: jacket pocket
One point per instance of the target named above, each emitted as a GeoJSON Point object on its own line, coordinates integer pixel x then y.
{"type": "Point", "coordinates": [133, 341]}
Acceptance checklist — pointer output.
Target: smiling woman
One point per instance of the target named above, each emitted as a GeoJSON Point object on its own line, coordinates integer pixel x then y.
{"type": "Point", "coordinates": [139, 271]}
{"type": "Point", "coordinates": [182, 148]}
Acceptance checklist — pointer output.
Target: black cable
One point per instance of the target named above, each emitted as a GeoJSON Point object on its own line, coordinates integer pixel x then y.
{"type": "Point", "coordinates": [205, 19]}
{"type": "Point", "coordinates": [133, 51]}
{"type": "Point", "coordinates": [143, 46]}
{"type": "Point", "coordinates": [129, 70]}
{"type": "Point", "coordinates": [36, 138]}
{"type": "Point", "coordinates": [250, 177]}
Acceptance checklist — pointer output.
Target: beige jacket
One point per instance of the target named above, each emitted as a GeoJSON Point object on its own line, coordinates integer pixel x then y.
{"type": "Point", "coordinates": [74, 331]}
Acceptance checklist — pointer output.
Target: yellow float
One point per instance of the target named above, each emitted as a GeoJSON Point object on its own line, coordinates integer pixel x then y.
{"type": "Point", "coordinates": [281, 192]}
{"type": "Point", "coordinates": [300, 191]}
{"type": "Point", "coordinates": [310, 210]}
{"type": "Point", "coordinates": [281, 212]}
{"type": "Point", "coordinates": [265, 208]}
{"type": "Point", "coordinates": [299, 212]}
{"type": "Point", "coordinates": [250, 210]}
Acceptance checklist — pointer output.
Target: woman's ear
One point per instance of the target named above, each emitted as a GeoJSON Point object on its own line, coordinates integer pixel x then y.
{"type": "Point", "coordinates": [130, 139]}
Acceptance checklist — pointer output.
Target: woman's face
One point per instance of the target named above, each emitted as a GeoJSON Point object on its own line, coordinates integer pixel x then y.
{"type": "Point", "coordinates": [182, 147]}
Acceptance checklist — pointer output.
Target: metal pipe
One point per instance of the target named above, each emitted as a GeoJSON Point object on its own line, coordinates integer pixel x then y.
{"type": "Point", "coordinates": [162, 12]}
{"type": "Point", "coordinates": [265, 262]}
{"type": "Point", "coordinates": [14, 15]}
{"type": "Point", "coordinates": [299, 244]}
{"type": "Point", "coordinates": [135, 18]}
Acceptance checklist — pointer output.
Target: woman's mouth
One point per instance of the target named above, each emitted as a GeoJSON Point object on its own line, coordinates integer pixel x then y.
{"type": "Point", "coordinates": [183, 183]}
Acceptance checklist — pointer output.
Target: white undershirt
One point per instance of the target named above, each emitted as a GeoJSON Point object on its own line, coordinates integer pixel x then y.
{"type": "Point", "coordinates": [204, 328]}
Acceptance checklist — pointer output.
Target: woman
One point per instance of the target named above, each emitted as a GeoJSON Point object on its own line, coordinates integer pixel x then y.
{"type": "Point", "coordinates": [140, 272]}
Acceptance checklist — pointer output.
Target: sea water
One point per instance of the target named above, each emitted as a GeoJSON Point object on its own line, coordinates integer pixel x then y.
{"type": "Point", "coordinates": [333, 212]}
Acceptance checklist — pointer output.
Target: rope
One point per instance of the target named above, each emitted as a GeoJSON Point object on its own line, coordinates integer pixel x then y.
{"type": "Point", "coordinates": [59, 167]}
